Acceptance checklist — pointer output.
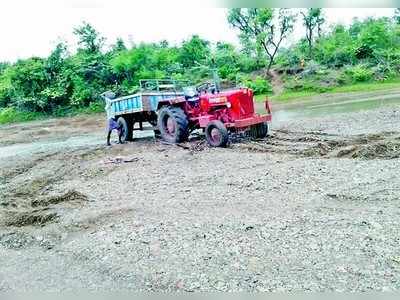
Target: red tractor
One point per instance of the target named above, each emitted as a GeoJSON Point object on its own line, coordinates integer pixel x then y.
{"type": "Point", "coordinates": [217, 113]}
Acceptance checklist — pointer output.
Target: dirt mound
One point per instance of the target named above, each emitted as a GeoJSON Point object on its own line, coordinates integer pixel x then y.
{"type": "Point", "coordinates": [36, 217]}
{"type": "Point", "coordinates": [40, 211]}
{"type": "Point", "coordinates": [70, 196]}
{"type": "Point", "coordinates": [276, 81]}
{"type": "Point", "coordinates": [385, 145]}
{"type": "Point", "coordinates": [365, 149]}
{"type": "Point", "coordinates": [382, 150]}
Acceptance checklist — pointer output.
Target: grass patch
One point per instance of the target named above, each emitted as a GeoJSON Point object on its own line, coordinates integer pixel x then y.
{"type": "Point", "coordinates": [368, 87]}
{"type": "Point", "coordinates": [357, 87]}
{"type": "Point", "coordinates": [11, 115]}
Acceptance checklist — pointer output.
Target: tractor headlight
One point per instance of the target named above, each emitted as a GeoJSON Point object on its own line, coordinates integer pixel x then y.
{"type": "Point", "coordinates": [228, 105]}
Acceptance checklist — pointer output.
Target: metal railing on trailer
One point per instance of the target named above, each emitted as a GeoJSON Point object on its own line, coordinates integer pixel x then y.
{"type": "Point", "coordinates": [163, 85]}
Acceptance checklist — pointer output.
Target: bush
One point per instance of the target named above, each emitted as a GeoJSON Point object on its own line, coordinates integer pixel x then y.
{"type": "Point", "coordinates": [259, 85]}
{"type": "Point", "coordinates": [360, 73]}
{"type": "Point", "coordinates": [11, 115]}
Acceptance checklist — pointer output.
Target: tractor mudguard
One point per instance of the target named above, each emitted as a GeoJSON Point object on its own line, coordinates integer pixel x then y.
{"type": "Point", "coordinates": [171, 102]}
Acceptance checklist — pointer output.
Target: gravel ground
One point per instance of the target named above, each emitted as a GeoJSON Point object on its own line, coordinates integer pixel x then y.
{"type": "Point", "coordinates": [315, 207]}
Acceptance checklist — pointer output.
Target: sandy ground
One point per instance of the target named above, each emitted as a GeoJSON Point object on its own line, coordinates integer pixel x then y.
{"type": "Point", "coordinates": [314, 207]}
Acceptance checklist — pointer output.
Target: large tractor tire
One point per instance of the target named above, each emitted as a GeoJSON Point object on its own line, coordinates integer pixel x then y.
{"type": "Point", "coordinates": [216, 134]}
{"type": "Point", "coordinates": [259, 131]}
{"type": "Point", "coordinates": [126, 129]}
{"type": "Point", "coordinates": [173, 124]}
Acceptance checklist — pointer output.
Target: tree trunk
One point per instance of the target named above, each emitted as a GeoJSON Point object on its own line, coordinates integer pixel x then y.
{"type": "Point", "coordinates": [271, 61]}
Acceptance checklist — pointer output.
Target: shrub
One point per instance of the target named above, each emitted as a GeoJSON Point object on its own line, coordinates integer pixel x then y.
{"type": "Point", "coordinates": [259, 85]}
{"type": "Point", "coordinates": [11, 115]}
{"type": "Point", "coordinates": [360, 73]}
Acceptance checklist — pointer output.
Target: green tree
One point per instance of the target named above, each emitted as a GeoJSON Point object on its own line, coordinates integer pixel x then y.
{"type": "Point", "coordinates": [194, 51]}
{"type": "Point", "coordinates": [56, 60]}
{"type": "Point", "coordinates": [376, 34]}
{"type": "Point", "coordinates": [257, 25]}
{"type": "Point", "coordinates": [313, 21]}
{"type": "Point", "coordinates": [143, 62]}
{"type": "Point", "coordinates": [336, 49]}
{"type": "Point", "coordinates": [226, 60]}
{"type": "Point", "coordinates": [90, 74]}
{"type": "Point", "coordinates": [22, 83]}
{"type": "Point", "coordinates": [56, 90]}
{"type": "Point", "coordinates": [88, 38]}
{"type": "Point", "coordinates": [118, 46]}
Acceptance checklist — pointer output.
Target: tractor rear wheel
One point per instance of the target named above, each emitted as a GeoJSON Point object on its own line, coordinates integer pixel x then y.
{"type": "Point", "coordinates": [173, 124]}
{"type": "Point", "coordinates": [216, 134]}
{"type": "Point", "coordinates": [259, 131]}
{"type": "Point", "coordinates": [126, 129]}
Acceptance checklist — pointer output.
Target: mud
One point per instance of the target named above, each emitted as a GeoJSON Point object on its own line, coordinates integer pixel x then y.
{"type": "Point", "coordinates": [70, 196]}
{"type": "Point", "coordinates": [385, 145]}
{"type": "Point", "coordinates": [313, 207]}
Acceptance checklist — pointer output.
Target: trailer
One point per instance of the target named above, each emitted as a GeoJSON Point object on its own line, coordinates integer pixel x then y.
{"type": "Point", "coordinates": [141, 107]}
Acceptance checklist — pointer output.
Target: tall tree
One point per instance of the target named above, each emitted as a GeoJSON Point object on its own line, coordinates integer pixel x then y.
{"type": "Point", "coordinates": [263, 27]}
{"type": "Point", "coordinates": [88, 38]}
{"type": "Point", "coordinates": [313, 21]}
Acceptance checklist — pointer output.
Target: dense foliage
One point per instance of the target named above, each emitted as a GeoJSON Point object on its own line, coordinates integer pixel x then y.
{"type": "Point", "coordinates": [64, 82]}
{"type": "Point", "coordinates": [366, 51]}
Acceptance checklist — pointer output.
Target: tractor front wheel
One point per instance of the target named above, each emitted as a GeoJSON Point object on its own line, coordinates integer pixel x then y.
{"type": "Point", "coordinates": [173, 124]}
{"type": "Point", "coordinates": [216, 134]}
{"type": "Point", "coordinates": [259, 131]}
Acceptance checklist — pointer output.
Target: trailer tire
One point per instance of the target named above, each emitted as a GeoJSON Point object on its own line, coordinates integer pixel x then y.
{"type": "Point", "coordinates": [216, 134]}
{"type": "Point", "coordinates": [173, 124]}
{"type": "Point", "coordinates": [259, 131]}
{"type": "Point", "coordinates": [126, 129]}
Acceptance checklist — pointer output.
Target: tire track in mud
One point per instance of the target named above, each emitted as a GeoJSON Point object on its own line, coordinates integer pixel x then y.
{"type": "Point", "coordinates": [385, 145]}
{"type": "Point", "coordinates": [32, 190]}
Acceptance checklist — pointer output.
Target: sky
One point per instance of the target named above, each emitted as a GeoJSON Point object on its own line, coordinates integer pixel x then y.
{"type": "Point", "coordinates": [33, 28]}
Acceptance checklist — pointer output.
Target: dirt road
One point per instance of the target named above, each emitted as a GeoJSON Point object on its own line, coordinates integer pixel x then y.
{"type": "Point", "coordinates": [314, 207]}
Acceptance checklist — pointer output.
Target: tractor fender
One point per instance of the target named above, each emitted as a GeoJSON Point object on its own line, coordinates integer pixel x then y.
{"type": "Point", "coordinates": [171, 102]}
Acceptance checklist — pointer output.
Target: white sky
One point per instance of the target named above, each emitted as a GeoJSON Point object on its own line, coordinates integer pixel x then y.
{"type": "Point", "coordinates": [33, 27]}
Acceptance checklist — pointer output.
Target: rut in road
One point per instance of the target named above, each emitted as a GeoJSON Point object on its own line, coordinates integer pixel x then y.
{"type": "Point", "coordinates": [385, 145]}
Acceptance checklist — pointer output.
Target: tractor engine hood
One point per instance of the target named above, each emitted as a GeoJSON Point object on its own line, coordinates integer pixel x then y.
{"type": "Point", "coordinates": [238, 101]}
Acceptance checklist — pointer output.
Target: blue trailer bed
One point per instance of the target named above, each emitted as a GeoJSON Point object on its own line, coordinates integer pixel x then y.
{"type": "Point", "coordinates": [140, 102]}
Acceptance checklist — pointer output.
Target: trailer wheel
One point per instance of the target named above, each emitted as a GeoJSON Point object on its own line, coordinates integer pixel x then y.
{"type": "Point", "coordinates": [173, 124]}
{"type": "Point", "coordinates": [259, 131]}
{"type": "Point", "coordinates": [216, 134]}
{"type": "Point", "coordinates": [126, 129]}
